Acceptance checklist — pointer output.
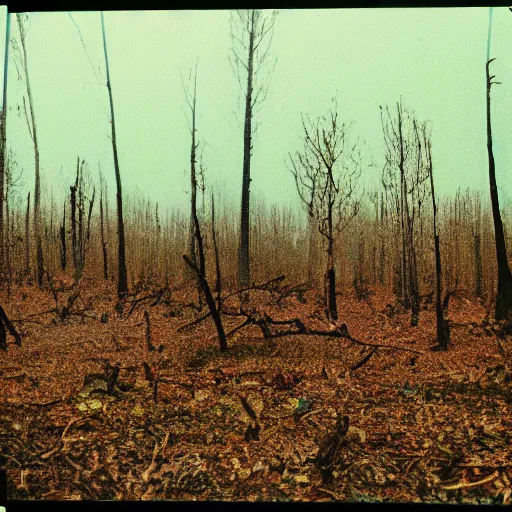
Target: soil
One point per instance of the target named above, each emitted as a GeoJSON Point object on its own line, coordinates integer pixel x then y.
{"type": "Point", "coordinates": [248, 424]}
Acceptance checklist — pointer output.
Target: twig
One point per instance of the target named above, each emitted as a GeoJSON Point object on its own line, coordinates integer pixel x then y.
{"type": "Point", "coordinates": [193, 322]}
{"type": "Point", "coordinates": [364, 360]}
{"type": "Point", "coordinates": [472, 484]}
{"type": "Point", "coordinates": [62, 440]}
{"type": "Point", "coordinates": [44, 404]}
{"type": "Point", "coordinates": [332, 494]}
{"type": "Point", "coordinates": [157, 449]}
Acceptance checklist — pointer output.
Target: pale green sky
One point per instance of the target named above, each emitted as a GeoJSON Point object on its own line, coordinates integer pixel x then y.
{"type": "Point", "coordinates": [433, 58]}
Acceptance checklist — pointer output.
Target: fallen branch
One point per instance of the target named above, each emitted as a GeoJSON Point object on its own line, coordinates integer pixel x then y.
{"type": "Point", "coordinates": [330, 493]}
{"type": "Point", "coordinates": [156, 451]}
{"type": "Point", "coordinates": [462, 485]}
{"type": "Point", "coordinates": [62, 440]}
{"type": "Point", "coordinates": [193, 322]}
{"type": "Point", "coordinates": [364, 360]}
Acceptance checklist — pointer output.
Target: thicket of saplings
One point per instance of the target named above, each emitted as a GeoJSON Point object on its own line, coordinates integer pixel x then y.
{"type": "Point", "coordinates": [80, 239]}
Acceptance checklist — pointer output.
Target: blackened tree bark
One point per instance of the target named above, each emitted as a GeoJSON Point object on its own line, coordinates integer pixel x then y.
{"type": "Point", "coordinates": [251, 33]}
{"type": "Point", "coordinates": [122, 281]}
{"type": "Point", "coordinates": [504, 293]}
{"type": "Point", "coordinates": [443, 328]}
{"type": "Point", "coordinates": [191, 97]}
{"type": "Point", "coordinates": [63, 248]}
{"type": "Point", "coordinates": [218, 276]}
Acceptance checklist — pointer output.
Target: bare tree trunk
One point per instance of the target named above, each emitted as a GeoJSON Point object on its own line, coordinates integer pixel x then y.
{"type": "Point", "coordinates": [331, 274]}
{"type": "Point", "coordinates": [33, 134]}
{"type": "Point", "coordinates": [27, 238]}
{"type": "Point", "coordinates": [218, 277]}
{"type": "Point", "coordinates": [122, 283]}
{"type": "Point", "coordinates": [312, 251]}
{"type": "Point", "coordinates": [244, 276]}
{"type": "Point", "coordinates": [88, 232]}
{"type": "Point", "coordinates": [103, 244]}
{"type": "Point", "coordinates": [504, 294]}
{"type": "Point", "coordinates": [193, 195]}
{"type": "Point", "coordinates": [74, 243]}
{"type": "Point", "coordinates": [382, 258]}
{"type": "Point", "coordinates": [3, 142]}
{"type": "Point", "coordinates": [63, 249]}
{"type": "Point", "coordinates": [443, 329]}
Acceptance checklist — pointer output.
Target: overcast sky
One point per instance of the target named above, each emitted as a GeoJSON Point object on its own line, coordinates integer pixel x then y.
{"type": "Point", "coordinates": [433, 58]}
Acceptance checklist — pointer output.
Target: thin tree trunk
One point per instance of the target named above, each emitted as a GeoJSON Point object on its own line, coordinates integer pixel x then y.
{"type": "Point", "coordinates": [63, 249]}
{"type": "Point", "coordinates": [218, 277]}
{"type": "Point", "coordinates": [443, 330]}
{"type": "Point", "coordinates": [103, 245]}
{"type": "Point", "coordinates": [27, 237]}
{"type": "Point", "coordinates": [33, 133]}
{"type": "Point", "coordinates": [122, 283]}
{"type": "Point", "coordinates": [331, 274]}
{"type": "Point", "coordinates": [3, 141]}
{"type": "Point", "coordinates": [382, 238]}
{"type": "Point", "coordinates": [244, 276]}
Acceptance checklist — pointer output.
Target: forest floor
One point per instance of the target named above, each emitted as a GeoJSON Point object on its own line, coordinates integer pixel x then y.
{"type": "Point", "coordinates": [423, 427]}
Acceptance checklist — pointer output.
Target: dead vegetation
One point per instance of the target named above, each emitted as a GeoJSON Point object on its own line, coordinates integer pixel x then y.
{"type": "Point", "coordinates": [163, 413]}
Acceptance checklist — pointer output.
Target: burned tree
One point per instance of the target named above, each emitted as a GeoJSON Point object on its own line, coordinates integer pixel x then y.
{"type": "Point", "coordinates": [80, 232]}
{"type": "Point", "coordinates": [63, 247]}
{"type": "Point", "coordinates": [199, 266]}
{"type": "Point", "coordinates": [31, 123]}
{"type": "Point", "coordinates": [191, 98]}
{"type": "Point", "coordinates": [443, 328]}
{"type": "Point", "coordinates": [122, 281]}
{"type": "Point", "coordinates": [404, 178]}
{"type": "Point", "coordinates": [3, 145]}
{"type": "Point", "coordinates": [326, 173]}
{"type": "Point", "coordinates": [251, 34]}
{"type": "Point", "coordinates": [504, 293]}
{"type": "Point", "coordinates": [103, 243]}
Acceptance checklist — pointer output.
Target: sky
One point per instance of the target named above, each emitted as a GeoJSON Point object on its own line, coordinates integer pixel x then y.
{"type": "Point", "coordinates": [434, 59]}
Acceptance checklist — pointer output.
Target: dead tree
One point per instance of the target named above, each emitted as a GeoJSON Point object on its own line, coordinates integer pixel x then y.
{"type": "Point", "coordinates": [27, 238]}
{"type": "Point", "coordinates": [5, 323]}
{"type": "Point", "coordinates": [122, 281]}
{"type": "Point", "coordinates": [404, 179]}
{"type": "Point", "coordinates": [504, 293]}
{"type": "Point", "coordinates": [218, 276]}
{"type": "Point", "coordinates": [3, 144]}
{"type": "Point", "coordinates": [103, 244]}
{"type": "Point", "coordinates": [443, 329]}
{"type": "Point", "coordinates": [326, 173]}
{"type": "Point", "coordinates": [31, 123]}
{"type": "Point", "coordinates": [251, 35]}
{"type": "Point", "coordinates": [191, 97]}
{"type": "Point", "coordinates": [199, 266]}
{"type": "Point", "coordinates": [477, 251]}
{"type": "Point", "coordinates": [63, 248]}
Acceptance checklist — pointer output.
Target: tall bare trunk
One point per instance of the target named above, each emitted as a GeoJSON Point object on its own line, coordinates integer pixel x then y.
{"type": "Point", "coordinates": [3, 142]}
{"type": "Point", "coordinates": [33, 133]}
{"type": "Point", "coordinates": [27, 237]}
{"type": "Point", "coordinates": [244, 276]}
{"type": "Point", "coordinates": [504, 293]}
{"type": "Point", "coordinates": [122, 282]}
{"type": "Point", "coordinates": [103, 244]}
{"type": "Point", "coordinates": [443, 330]}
